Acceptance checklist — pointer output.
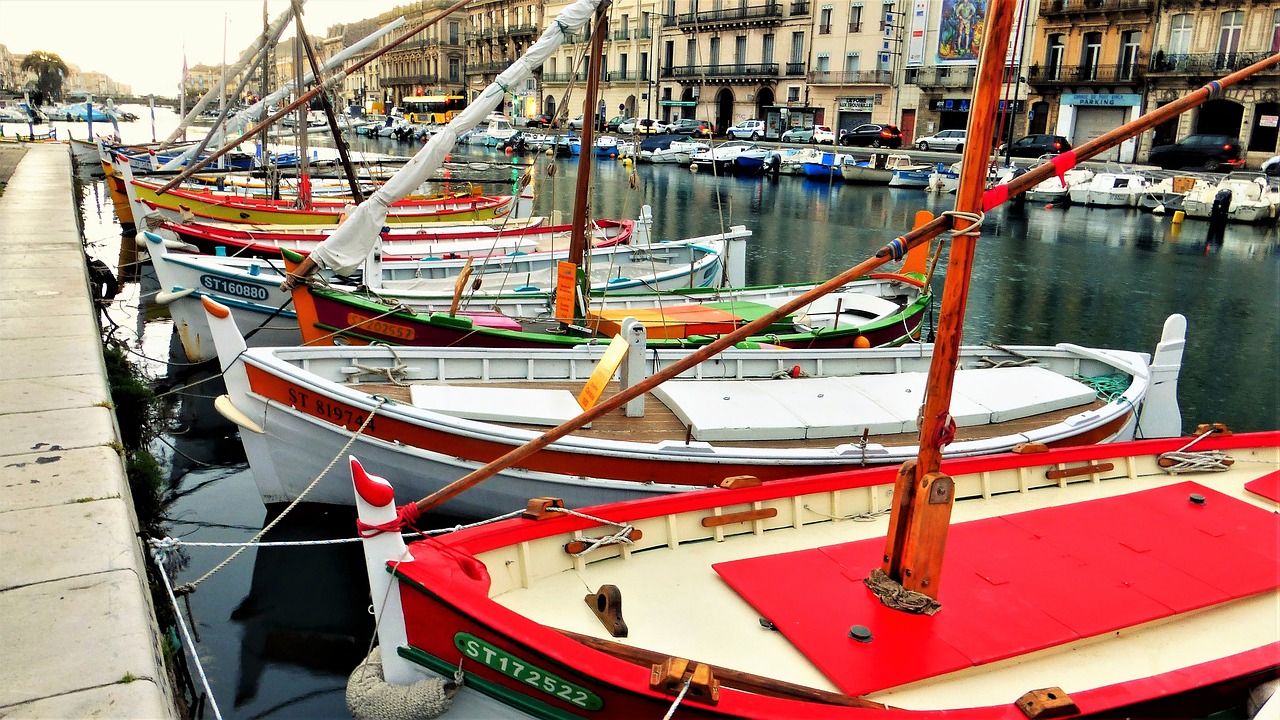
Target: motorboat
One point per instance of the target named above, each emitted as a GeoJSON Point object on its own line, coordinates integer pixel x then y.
{"type": "Point", "coordinates": [720, 158]}
{"type": "Point", "coordinates": [1057, 189]}
{"type": "Point", "coordinates": [1245, 197]}
{"type": "Point", "coordinates": [879, 169]}
{"type": "Point", "coordinates": [1110, 189]}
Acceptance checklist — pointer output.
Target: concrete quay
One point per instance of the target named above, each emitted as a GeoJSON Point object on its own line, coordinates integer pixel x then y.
{"type": "Point", "coordinates": [77, 629]}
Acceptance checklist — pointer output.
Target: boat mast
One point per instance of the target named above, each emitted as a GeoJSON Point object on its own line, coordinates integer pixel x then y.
{"type": "Point", "coordinates": [338, 141]}
{"type": "Point", "coordinates": [923, 495]}
{"type": "Point", "coordinates": [304, 182]}
{"type": "Point", "coordinates": [586, 157]}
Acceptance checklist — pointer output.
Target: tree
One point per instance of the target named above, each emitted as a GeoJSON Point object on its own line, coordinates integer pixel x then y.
{"type": "Point", "coordinates": [49, 70]}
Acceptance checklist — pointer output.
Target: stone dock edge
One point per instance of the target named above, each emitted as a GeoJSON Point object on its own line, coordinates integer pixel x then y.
{"type": "Point", "coordinates": [78, 632]}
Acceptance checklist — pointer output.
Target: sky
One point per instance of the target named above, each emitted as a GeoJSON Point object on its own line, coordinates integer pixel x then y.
{"type": "Point", "coordinates": [149, 36]}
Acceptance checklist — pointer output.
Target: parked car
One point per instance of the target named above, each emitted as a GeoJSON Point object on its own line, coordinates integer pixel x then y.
{"type": "Point", "coordinates": [614, 122]}
{"type": "Point", "coordinates": [873, 135]}
{"type": "Point", "coordinates": [1211, 152]}
{"type": "Point", "coordinates": [576, 123]}
{"type": "Point", "coordinates": [1272, 166]}
{"type": "Point", "coordinates": [952, 140]}
{"type": "Point", "coordinates": [747, 129]}
{"type": "Point", "coordinates": [542, 120]}
{"type": "Point", "coordinates": [692, 128]}
{"type": "Point", "coordinates": [820, 134]}
{"type": "Point", "coordinates": [642, 126]}
{"type": "Point", "coordinates": [1033, 146]}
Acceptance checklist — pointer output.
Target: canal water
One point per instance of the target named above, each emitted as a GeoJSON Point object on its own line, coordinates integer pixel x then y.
{"type": "Point", "coordinates": [281, 627]}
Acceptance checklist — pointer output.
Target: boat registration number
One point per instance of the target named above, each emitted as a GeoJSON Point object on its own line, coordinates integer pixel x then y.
{"type": "Point", "coordinates": [381, 327]}
{"type": "Point", "coordinates": [504, 662]}
{"type": "Point", "coordinates": [233, 287]}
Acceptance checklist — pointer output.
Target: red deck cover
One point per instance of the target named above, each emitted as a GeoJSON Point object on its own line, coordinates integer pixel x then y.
{"type": "Point", "coordinates": [1268, 486]}
{"type": "Point", "coordinates": [1019, 583]}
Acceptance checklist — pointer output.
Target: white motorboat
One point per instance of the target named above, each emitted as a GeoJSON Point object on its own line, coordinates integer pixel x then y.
{"type": "Point", "coordinates": [1246, 197]}
{"type": "Point", "coordinates": [1110, 189]}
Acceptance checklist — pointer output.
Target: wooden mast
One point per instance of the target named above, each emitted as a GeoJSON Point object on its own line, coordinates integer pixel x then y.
{"type": "Point", "coordinates": [339, 141]}
{"type": "Point", "coordinates": [923, 495]}
{"type": "Point", "coordinates": [582, 196]}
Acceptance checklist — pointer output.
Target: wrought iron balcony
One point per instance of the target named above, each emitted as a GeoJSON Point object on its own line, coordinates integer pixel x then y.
{"type": "Point", "coordinates": [957, 77]}
{"type": "Point", "coordinates": [410, 79]}
{"type": "Point", "coordinates": [795, 68]}
{"type": "Point", "coordinates": [799, 8]}
{"type": "Point", "coordinates": [490, 68]}
{"type": "Point", "coordinates": [824, 29]}
{"type": "Point", "coordinates": [767, 14]}
{"type": "Point", "coordinates": [621, 34]}
{"type": "Point", "coordinates": [855, 27]}
{"type": "Point", "coordinates": [563, 78]}
{"type": "Point", "coordinates": [1068, 7]}
{"type": "Point", "coordinates": [1207, 64]}
{"type": "Point", "coordinates": [1098, 75]}
{"type": "Point", "coordinates": [715, 73]}
{"type": "Point", "coordinates": [852, 77]}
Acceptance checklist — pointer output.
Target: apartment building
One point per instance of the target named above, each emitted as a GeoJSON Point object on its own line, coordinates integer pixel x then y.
{"type": "Point", "coordinates": [855, 53]}
{"type": "Point", "coordinates": [1199, 40]}
{"type": "Point", "coordinates": [1088, 75]}
{"type": "Point", "coordinates": [432, 62]}
{"type": "Point", "coordinates": [498, 32]}
{"type": "Point", "coordinates": [940, 46]}
{"type": "Point", "coordinates": [731, 61]}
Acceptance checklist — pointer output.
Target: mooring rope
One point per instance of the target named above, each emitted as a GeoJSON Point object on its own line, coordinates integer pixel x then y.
{"type": "Point", "coordinates": [679, 698]}
{"type": "Point", "coordinates": [186, 634]}
{"type": "Point", "coordinates": [1182, 460]}
{"type": "Point", "coordinates": [621, 537]}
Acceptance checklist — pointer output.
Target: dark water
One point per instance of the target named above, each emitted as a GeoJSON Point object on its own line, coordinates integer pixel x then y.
{"type": "Point", "coordinates": [281, 627]}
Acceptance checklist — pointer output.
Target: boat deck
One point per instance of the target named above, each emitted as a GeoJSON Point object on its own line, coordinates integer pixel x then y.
{"type": "Point", "coordinates": [1077, 586]}
{"type": "Point", "coordinates": [661, 423]}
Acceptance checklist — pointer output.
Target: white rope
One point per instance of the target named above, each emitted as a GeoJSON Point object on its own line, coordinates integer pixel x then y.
{"type": "Point", "coordinates": [679, 699]}
{"type": "Point", "coordinates": [1195, 461]}
{"type": "Point", "coordinates": [622, 537]}
{"type": "Point", "coordinates": [186, 635]}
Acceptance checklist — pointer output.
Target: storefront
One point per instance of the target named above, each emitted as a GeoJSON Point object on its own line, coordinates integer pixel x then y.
{"type": "Point", "coordinates": [853, 111]}
{"type": "Point", "coordinates": [781, 118]}
{"type": "Point", "coordinates": [1085, 116]}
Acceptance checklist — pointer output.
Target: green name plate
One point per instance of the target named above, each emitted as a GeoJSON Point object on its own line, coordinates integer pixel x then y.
{"type": "Point", "coordinates": [517, 669]}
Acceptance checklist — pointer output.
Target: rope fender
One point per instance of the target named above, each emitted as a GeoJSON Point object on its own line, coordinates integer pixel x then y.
{"type": "Point", "coordinates": [371, 697]}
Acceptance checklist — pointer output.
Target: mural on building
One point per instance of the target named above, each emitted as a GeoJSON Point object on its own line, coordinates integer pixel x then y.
{"type": "Point", "coordinates": [960, 30]}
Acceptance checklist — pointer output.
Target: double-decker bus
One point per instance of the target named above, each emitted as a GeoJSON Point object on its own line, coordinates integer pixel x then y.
{"type": "Point", "coordinates": [437, 109]}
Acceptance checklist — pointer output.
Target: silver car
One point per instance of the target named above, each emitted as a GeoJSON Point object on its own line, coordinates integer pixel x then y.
{"type": "Point", "coordinates": [952, 140]}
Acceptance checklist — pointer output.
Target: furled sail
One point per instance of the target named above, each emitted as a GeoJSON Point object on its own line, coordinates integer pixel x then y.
{"type": "Point", "coordinates": [351, 243]}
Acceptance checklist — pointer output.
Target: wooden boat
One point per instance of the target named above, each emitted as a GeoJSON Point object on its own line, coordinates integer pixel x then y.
{"type": "Point", "coordinates": [1090, 581]}
{"type": "Point", "coordinates": [771, 413]}
{"type": "Point", "coordinates": [879, 169]}
{"type": "Point", "coordinates": [827, 165]}
{"type": "Point", "coordinates": [48, 137]}
{"type": "Point", "coordinates": [1082, 579]}
{"type": "Point", "coordinates": [208, 204]}
{"type": "Point", "coordinates": [510, 286]}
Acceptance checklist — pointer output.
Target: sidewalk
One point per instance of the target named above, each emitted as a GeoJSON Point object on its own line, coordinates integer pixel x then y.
{"type": "Point", "coordinates": [77, 629]}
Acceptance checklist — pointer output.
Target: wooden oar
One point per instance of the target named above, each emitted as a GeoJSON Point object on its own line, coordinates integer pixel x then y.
{"type": "Point", "coordinates": [899, 247]}
{"type": "Point", "coordinates": [306, 97]}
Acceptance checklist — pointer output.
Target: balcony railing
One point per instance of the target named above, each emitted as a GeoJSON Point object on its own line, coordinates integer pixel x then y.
{"type": "Point", "coordinates": [852, 77]}
{"type": "Point", "coordinates": [621, 34]}
{"type": "Point", "coordinates": [1203, 63]}
{"type": "Point", "coordinates": [799, 8]}
{"type": "Point", "coordinates": [410, 79]}
{"type": "Point", "coordinates": [619, 76]}
{"type": "Point", "coordinates": [1099, 75]}
{"type": "Point", "coordinates": [563, 78]}
{"type": "Point", "coordinates": [961, 77]}
{"type": "Point", "coordinates": [824, 29]}
{"type": "Point", "coordinates": [855, 27]}
{"type": "Point", "coordinates": [1066, 7]}
{"type": "Point", "coordinates": [722, 72]}
{"type": "Point", "coordinates": [795, 68]}
{"type": "Point", "coordinates": [487, 68]}
{"type": "Point", "coordinates": [767, 13]}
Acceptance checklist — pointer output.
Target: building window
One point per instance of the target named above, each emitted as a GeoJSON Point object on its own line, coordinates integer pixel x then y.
{"type": "Point", "coordinates": [793, 93]}
{"type": "Point", "coordinates": [851, 62]}
{"type": "Point", "coordinates": [691, 52]}
{"type": "Point", "coordinates": [855, 17]}
{"type": "Point", "coordinates": [455, 70]}
{"type": "Point", "coordinates": [1180, 34]}
{"type": "Point", "coordinates": [715, 53]}
{"type": "Point", "coordinates": [823, 63]}
{"type": "Point", "coordinates": [1229, 37]}
{"type": "Point", "coordinates": [886, 16]}
{"type": "Point", "coordinates": [824, 20]}
{"type": "Point", "coordinates": [1091, 56]}
{"type": "Point", "coordinates": [1053, 57]}
{"type": "Point", "coordinates": [1130, 46]}
{"type": "Point", "coordinates": [454, 31]}
{"type": "Point", "coordinates": [766, 51]}
{"type": "Point", "coordinates": [797, 47]}
{"type": "Point", "coordinates": [740, 50]}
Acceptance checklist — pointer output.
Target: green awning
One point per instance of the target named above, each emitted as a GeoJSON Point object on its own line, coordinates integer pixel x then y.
{"type": "Point", "coordinates": [679, 103]}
